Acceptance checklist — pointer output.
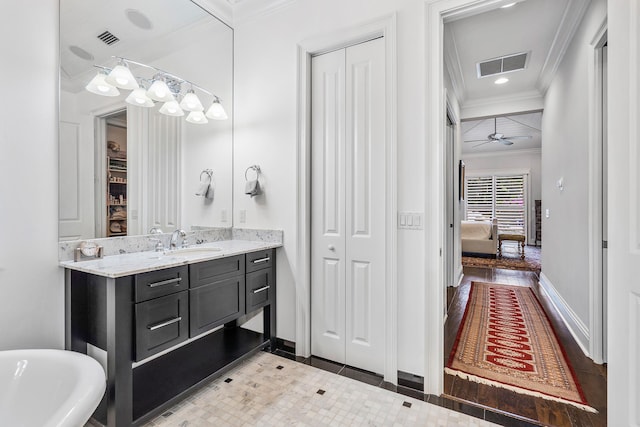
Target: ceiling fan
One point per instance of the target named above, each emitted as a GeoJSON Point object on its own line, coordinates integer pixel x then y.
{"type": "Point", "coordinates": [498, 137]}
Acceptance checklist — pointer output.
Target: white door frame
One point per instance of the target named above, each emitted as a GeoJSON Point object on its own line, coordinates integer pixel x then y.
{"type": "Point", "coordinates": [596, 326]}
{"type": "Point", "coordinates": [436, 13]}
{"type": "Point", "coordinates": [385, 27]}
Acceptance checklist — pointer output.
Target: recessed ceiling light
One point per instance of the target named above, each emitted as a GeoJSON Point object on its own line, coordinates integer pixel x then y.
{"type": "Point", "coordinates": [81, 53]}
{"type": "Point", "coordinates": [507, 5]}
{"type": "Point", "coordinates": [139, 19]}
{"type": "Point", "coordinates": [501, 81]}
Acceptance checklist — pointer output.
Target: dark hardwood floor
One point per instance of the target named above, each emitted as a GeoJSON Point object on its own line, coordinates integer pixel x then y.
{"type": "Point", "coordinates": [592, 377]}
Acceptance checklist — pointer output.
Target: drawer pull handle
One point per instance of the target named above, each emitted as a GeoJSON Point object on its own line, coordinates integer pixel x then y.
{"type": "Point", "coordinates": [264, 288]}
{"type": "Point", "coordinates": [163, 324]}
{"type": "Point", "coordinates": [165, 282]}
{"type": "Point", "coordinates": [258, 261]}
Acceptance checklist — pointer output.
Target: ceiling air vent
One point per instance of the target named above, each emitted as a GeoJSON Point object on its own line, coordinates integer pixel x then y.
{"type": "Point", "coordinates": [504, 64]}
{"type": "Point", "coordinates": [108, 38]}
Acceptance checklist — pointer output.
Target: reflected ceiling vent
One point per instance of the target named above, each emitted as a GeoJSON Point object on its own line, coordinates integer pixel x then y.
{"type": "Point", "coordinates": [504, 64]}
{"type": "Point", "coordinates": [108, 38]}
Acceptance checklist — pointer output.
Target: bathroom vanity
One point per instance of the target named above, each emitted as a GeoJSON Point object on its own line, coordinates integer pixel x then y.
{"type": "Point", "coordinates": [168, 322]}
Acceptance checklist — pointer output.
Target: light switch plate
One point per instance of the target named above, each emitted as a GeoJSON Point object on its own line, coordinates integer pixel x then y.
{"type": "Point", "coordinates": [410, 220]}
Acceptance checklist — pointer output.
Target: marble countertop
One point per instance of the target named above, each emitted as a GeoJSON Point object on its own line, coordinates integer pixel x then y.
{"type": "Point", "coordinates": [140, 262]}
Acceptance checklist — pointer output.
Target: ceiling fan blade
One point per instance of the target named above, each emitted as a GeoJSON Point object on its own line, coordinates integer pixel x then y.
{"type": "Point", "coordinates": [518, 137]}
{"type": "Point", "coordinates": [477, 140]}
{"type": "Point", "coordinates": [478, 145]}
{"type": "Point", "coordinates": [506, 142]}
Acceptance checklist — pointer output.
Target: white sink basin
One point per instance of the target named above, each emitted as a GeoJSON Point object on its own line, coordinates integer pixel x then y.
{"type": "Point", "coordinates": [46, 388]}
{"type": "Point", "coordinates": [194, 251]}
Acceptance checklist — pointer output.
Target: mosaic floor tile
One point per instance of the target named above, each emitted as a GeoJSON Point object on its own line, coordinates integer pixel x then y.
{"type": "Point", "coordinates": [261, 394]}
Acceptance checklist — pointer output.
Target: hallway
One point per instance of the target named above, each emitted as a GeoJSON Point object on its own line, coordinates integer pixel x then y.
{"type": "Point", "coordinates": [592, 377]}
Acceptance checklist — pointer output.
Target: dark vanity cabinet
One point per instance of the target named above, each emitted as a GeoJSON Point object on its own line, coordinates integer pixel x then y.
{"type": "Point", "coordinates": [259, 290]}
{"type": "Point", "coordinates": [166, 331]}
{"type": "Point", "coordinates": [161, 310]}
{"type": "Point", "coordinates": [216, 293]}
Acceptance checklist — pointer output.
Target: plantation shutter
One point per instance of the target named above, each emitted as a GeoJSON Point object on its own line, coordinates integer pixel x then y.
{"type": "Point", "coordinates": [501, 197]}
{"type": "Point", "coordinates": [509, 204]}
{"type": "Point", "coordinates": [479, 198]}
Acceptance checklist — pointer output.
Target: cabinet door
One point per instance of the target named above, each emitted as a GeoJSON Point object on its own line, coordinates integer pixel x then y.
{"type": "Point", "coordinates": [215, 304]}
{"type": "Point", "coordinates": [161, 323]}
{"type": "Point", "coordinates": [260, 289]}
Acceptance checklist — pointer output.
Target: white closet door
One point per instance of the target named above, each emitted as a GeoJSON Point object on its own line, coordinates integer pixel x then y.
{"type": "Point", "coordinates": [365, 206]}
{"type": "Point", "coordinates": [328, 207]}
{"type": "Point", "coordinates": [348, 206]}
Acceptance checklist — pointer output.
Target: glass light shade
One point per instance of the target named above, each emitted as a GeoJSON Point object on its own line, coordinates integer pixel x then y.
{"type": "Point", "coordinates": [139, 98]}
{"type": "Point", "coordinates": [216, 111]}
{"type": "Point", "coordinates": [121, 77]}
{"type": "Point", "coordinates": [159, 91]}
{"type": "Point", "coordinates": [191, 102]}
{"type": "Point", "coordinates": [172, 108]}
{"type": "Point", "coordinates": [99, 86]}
{"type": "Point", "coordinates": [197, 117]}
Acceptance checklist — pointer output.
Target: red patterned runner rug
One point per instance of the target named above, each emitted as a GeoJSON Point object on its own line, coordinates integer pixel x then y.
{"type": "Point", "coordinates": [506, 340]}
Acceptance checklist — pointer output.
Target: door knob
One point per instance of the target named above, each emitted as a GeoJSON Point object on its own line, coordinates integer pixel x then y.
{"type": "Point", "coordinates": [331, 248]}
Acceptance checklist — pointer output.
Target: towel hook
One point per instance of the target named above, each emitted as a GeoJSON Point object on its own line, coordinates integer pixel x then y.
{"type": "Point", "coordinates": [255, 168]}
{"type": "Point", "coordinates": [209, 172]}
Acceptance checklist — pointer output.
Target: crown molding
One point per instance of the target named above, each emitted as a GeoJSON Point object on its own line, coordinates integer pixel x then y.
{"type": "Point", "coordinates": [454, 68]}
{"type": "Point", "coordinates": [573, 14]}
{"type": "Point", "coordinates": [516, 152]}
{"type": "Point", "coordinates": [247, 10]}
{"type": "Point", "coordinates": [516, 103]}
{"type": "Point", "coordinates": [221, 9]}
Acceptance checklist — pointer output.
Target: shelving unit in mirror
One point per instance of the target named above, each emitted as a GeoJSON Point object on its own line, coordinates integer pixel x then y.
{"type": "Point", "coordinates": [117, 196]}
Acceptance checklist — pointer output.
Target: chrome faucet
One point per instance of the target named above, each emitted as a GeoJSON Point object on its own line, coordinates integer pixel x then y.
{"type": "Point", "coordinates": [174, 239]}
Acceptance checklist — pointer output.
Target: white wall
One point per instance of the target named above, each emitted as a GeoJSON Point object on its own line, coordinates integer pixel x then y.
{"type": "Point", "coordinates": [523, 160]}
{"type": "Point", "coordinates": [32, 303]}
{"type": "Point", "coordinates": [265, 134]}
{"type": "Point", "coordinates": [565, 154]}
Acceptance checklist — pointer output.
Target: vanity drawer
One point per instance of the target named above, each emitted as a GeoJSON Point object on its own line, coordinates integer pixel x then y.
{"type": "Point", "coordinates": [259, 260]}
{"type": "Point", "coordinates": [260, 289]}
{"type": "Point", "coordinates": [215, 304]}
{"type": "Point", "coordinates": [161, 282]}
{"type": "Point", "coordinates": [161, 323]}
{"type": "Point", "coordinates": [205, 273]}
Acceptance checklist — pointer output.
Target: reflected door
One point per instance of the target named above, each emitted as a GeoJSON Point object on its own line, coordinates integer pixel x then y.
{"type": "Point", "coordinates": [348, 206]}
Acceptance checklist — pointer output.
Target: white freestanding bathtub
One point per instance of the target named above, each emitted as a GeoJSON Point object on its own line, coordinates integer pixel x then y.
{"type": "Point", "coordinates": [47, 388]}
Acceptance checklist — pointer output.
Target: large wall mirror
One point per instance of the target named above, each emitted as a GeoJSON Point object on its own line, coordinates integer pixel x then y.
{"type": "Point", "coordinates": [130, 161]}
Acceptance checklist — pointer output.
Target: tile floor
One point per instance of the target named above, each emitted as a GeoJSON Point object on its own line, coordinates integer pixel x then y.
{"type": "Point", "coordinates": [269, 390]}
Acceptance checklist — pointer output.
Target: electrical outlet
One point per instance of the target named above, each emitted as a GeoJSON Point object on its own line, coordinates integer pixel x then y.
{"type": "Point", "coordinates": [243, 216]}
{"type": "Point", "coordinates": [223, 215]}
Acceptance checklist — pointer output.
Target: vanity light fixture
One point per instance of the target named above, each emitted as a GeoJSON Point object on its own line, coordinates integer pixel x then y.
{"type": "Point", "coordinates": [172, 108]}
{"type": "Point", "coordinates": [139, 98]}
{"type": "Point", "coordinates": [100, 86]}
{"type": "Point", "coordinates": [162, 87]}
{"type": "Point", "coordinates": [191, 102]}
{"type": "Point", "coordinates": [501, 81]}
{"type": "Point", "coordinates": [197, 117]}
{"type": "Point", "coordinates": [159, 91]}
{"type": "Point", "coordinates": [121, 77]}
{"type": "Point", "coordinates": [216, 112]}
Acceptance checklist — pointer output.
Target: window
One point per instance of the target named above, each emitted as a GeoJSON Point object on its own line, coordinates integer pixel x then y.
{"type": "Point", "coordinates": [501, 197]}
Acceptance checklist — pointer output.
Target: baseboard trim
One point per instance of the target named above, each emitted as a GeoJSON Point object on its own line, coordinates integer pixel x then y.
{"type": "Point", "coordinates": [460, 275]}
{"type": "Point", "coordinates": [286, 345]}
{"type": "Point", "coordinates": [577, 328]}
